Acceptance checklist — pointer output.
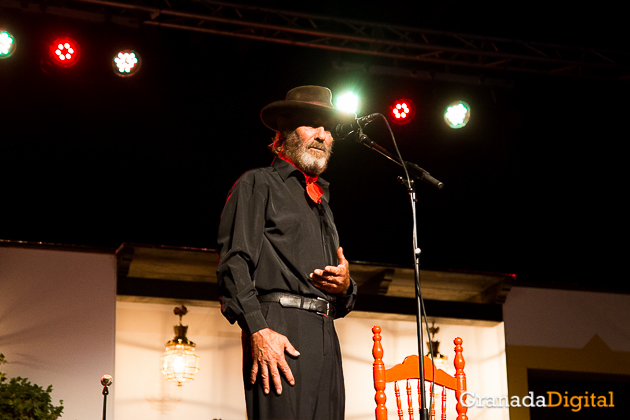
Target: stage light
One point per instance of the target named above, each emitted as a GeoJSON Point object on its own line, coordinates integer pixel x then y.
{"type": "Point", "coordinates": [7, 44]}
{"type": "Point", "coordinates": [348, 102]}
{"type": "Point", "coordinates": [402, 111]}
{"type": "Point", "coordinates": [457, 114]}
{"type": "Point", "coordinates": [64, 52]}
{"type": "Point", "coordinates": [126, 63]}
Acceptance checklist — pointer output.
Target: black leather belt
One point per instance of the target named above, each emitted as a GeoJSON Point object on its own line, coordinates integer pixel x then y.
{"type": "Point", "coordinates": [288, 300]}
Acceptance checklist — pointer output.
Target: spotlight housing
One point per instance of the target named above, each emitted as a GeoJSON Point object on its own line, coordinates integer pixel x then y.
{"type": "Point", "coordinates": [7, 44]}
{"type": "Point", "coordinates": [402, 111]}
{"type": "Point", "coordinates": [457, 114]}
{"type": "Point", "coordinates": [126, 63]}
{"type": "Point", "coordinates": [64, 52]}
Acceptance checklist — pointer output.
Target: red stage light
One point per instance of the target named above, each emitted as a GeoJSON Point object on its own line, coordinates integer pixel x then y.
{"type": "Point", "coordinates": [402, 111]}
{"type": "Point", "coordinates": [64, 52]}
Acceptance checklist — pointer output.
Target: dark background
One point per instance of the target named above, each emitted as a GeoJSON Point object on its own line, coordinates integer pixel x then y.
{"type": "Point", "coordinates": [534, 185]}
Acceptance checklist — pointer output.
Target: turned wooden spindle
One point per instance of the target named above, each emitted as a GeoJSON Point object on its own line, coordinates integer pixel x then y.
{"type": "Point", "coordinates": [460, 377]}
{"type": "Point", "coordinates": [379, 375]}
{"type": "Point", "coordinates": [409, 400]}
{"type": "Point", "coordinates": [443, 416]}
{"type": "Point", "coordinates": [398, 401]}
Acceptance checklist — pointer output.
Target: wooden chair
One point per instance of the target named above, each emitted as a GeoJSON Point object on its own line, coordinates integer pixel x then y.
{"type": "Point", "coordinates": [409, 369]}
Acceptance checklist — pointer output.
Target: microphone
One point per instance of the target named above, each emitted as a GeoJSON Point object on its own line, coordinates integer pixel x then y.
{"type": "Point", "coordinates": [344, 130]}
{"type": "Point", "coordinates": [107, 380]}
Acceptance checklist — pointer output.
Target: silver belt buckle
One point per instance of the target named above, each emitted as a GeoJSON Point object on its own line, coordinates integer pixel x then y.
{"type": "Point", "coordinates": [327, 307]}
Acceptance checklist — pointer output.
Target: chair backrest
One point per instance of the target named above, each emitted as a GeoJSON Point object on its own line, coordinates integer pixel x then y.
{"type": "Point", "coordinates": [410, 369]}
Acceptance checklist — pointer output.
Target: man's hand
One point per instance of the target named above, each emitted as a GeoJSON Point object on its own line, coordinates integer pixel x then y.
{"type": "Point", "coordinates": [334, 280]}
{"type": "Point", "coordinates": [268, 349]}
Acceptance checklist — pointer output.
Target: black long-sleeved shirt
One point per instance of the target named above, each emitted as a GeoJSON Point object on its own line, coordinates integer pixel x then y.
{"type": "Point", "coordinates": [272, 236]}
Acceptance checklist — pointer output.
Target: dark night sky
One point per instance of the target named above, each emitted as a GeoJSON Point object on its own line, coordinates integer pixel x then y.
{"type": "Point", "coordinates": [534, 184]}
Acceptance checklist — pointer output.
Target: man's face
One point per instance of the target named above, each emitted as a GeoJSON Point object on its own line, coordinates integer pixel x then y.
{"type": "Point", "coordinates": [309, 145]}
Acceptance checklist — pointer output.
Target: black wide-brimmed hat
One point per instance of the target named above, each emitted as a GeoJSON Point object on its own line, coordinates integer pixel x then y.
{"type": "Point", "coordinates": [304, 98]}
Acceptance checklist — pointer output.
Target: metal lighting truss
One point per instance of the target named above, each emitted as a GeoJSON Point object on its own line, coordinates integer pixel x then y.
{"type": "Point", "coordinates": [436, 50]}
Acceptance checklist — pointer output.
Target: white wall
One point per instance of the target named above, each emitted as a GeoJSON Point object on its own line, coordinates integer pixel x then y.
{"type": "Point", "coordinates": [143, 329]}
{"type": "Point", "coordinates": [57, 317]}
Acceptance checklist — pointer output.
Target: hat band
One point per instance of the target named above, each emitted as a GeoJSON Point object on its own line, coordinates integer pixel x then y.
{"type": "Point", "coordinates": [324, 104]}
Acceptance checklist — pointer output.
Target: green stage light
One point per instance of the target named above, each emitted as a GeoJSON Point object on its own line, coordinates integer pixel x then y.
{"type": "Point", "coordinates": [457, 114]}
{"type": "Point", "coordinates": [7, 44]}
{"type": "Point", "coordinates": [348, 102]}
{"type": "Point", "coordinates": [126, 63]}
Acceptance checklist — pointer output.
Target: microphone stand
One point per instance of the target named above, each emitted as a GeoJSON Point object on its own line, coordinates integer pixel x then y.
{"type": "Point", "coordinates": [105, 393]}
{"type": "Point", "coordinates": [106, 381]}
{"type": "Point", "coordinates": [421, 174]}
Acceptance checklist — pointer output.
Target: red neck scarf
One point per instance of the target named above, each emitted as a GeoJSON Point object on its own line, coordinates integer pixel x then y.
{"type": "Point", "coordinates": [313, 189]}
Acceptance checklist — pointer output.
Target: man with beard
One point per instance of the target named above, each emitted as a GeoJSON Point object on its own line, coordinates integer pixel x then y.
{"type": "Point", "coordinates": [282, 275]}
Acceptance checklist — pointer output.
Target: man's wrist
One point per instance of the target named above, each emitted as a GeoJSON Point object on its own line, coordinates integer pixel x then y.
{"type": "Point", "coordinates": [253, 323]}
{"type": "Point", "coordinates": [348, 290]}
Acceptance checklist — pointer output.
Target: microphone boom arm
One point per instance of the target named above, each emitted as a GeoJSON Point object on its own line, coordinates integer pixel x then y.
{"type": "Point", "coordinates": [413, 169]}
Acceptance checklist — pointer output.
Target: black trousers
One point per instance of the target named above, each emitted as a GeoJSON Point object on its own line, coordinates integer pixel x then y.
{"type": "Point", "coordinates": [318, 393]}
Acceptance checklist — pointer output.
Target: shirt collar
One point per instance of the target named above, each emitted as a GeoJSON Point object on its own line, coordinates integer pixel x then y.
{"type": "Point", "coordinates": [285, 169]}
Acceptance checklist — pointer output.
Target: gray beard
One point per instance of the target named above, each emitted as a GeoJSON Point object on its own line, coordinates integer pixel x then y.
{"type": "Point", "coordinates": [298, 151]}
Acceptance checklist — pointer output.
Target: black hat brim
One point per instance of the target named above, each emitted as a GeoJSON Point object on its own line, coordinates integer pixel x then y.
{"type": "Point", "coordinates": [269, 114]}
